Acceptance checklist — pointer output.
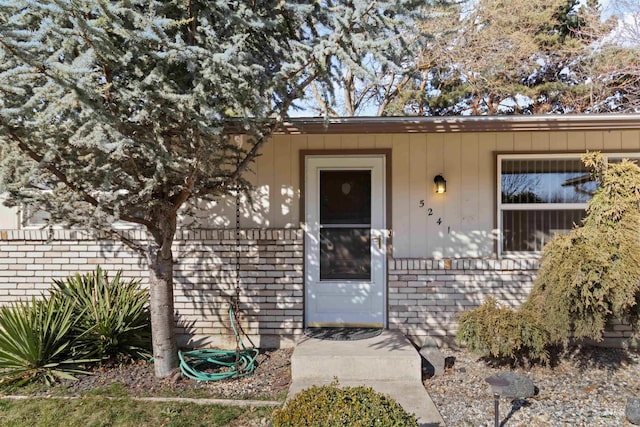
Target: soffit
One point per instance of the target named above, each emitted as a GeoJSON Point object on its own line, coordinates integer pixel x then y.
{"type": "Point", "coordinates": [382, 125]}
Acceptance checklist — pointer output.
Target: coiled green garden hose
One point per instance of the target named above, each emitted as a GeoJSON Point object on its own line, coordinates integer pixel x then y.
{"type": "Point", "coordinates": [233, 363]}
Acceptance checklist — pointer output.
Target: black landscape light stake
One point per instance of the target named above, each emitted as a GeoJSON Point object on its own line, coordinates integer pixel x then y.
{"type": "Point", "coordinates": [497, 384]}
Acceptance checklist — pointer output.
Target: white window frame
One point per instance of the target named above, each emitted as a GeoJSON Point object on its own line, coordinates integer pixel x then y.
{"type": "Point", "coordinates": [25, 223]}
{"type": "Point", "coordinates": [26, 217]}
{"type": "Point", "coordinates": [537, 206]}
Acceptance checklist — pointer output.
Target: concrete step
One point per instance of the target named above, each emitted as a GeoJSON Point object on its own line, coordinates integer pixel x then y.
{"type": "Point", "coordinates": [387, 357]}
{"type": "Point", "coordinates": [388, 363]}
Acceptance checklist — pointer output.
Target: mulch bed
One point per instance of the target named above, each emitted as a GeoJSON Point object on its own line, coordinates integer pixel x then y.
{"type": "Point", "coordinates": [270, 380]}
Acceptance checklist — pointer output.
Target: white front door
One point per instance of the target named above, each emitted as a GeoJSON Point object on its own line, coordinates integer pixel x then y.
{"type": "Point", "coordinates": [345, 240]}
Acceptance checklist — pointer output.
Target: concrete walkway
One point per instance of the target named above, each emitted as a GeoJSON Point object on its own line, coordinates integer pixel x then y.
{"type": "Point", "coordinates": [388, 363]}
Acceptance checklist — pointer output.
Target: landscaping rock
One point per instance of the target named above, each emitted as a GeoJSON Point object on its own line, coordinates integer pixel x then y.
{"type": "Point", "coordinates": [432, 357]}
{"type": "Point", "coordinates": [632, 411]}
{"type": "Point", "coordinates": [520, 386]}
{"type": "Point", "coordinates": [588, 386]}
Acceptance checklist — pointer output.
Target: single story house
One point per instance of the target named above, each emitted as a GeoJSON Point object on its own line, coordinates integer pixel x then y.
{"type": "Point", "coordinates": [394, 222]}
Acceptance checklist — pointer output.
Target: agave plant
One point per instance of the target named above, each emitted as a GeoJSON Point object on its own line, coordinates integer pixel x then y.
{"type": "Point", "coordinates": [36, 341]}
{"type": "Point", "coordinates": [113, 315]}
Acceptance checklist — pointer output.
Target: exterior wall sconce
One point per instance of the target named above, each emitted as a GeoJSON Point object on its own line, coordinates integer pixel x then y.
{"type": "Point", "coordinates": [441, 184]}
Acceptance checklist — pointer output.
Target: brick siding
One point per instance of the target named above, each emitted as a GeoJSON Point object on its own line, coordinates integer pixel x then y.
{"type": "Point", "coordinates": [271, 278]}
{"type": "Point", "coordinates": [424, 296]}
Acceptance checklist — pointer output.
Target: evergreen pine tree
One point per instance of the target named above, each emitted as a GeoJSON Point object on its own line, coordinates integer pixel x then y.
{"type": "Point", "coordinates": [517, 57]}
{"type": "Point", "coordinates": [126, 110]}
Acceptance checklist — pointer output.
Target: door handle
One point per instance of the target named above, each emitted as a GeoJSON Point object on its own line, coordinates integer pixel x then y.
{"type": "Point", "coordinates": [379, 240]}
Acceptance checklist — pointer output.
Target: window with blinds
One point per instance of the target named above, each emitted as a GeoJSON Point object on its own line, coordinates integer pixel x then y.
{"type": "Point", "coordinates": [540, 195]}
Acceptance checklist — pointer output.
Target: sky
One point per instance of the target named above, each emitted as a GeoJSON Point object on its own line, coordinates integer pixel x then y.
{"type": "Point", "coordinates": [619, 7]}
{"type": "Point", "coordinates": [628, 31]}
{"type": "Point", "coordinates": [606, 6]}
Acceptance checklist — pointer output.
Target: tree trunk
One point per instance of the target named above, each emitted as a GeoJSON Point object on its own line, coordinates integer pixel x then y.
{"type": "Point", "coordinates": [160, 257]}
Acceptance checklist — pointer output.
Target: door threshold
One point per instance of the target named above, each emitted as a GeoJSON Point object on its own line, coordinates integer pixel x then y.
{"type": "Point", "coordinates": [344, 325]}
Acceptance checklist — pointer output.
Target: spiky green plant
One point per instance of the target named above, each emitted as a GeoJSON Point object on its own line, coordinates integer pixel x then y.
{"type": "Point", "coordinates": [113, 315]}
{"type": "Point", "coordinates": [36, 341]}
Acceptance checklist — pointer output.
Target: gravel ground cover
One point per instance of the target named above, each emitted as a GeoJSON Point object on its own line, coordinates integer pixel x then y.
{"type": "Point", "coordinates": [586, 387]}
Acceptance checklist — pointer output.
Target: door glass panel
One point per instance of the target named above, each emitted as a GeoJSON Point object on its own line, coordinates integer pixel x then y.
{"type": "Point", "coordinates": [345, 197]}
{"type": "Point", "coordinates": [345, 253]}
{"type": "Point", "coordinates": [345, 225]}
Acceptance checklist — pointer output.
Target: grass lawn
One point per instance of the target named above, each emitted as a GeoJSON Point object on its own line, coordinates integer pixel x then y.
{"type": "Point", "coordinates": [95, 411]}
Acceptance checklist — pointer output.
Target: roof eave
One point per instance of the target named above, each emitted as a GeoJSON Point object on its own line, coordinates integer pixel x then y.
{"type": "Point", "coordinates": [382, 125]}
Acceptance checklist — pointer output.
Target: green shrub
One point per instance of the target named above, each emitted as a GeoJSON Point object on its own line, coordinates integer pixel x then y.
{"type": "Point", "coordinates": [331, 406]}
{"type": "Point", "coordinates": [588, 277]}
{"type": "Point", "coordinates": [113, 315]}
{"type": "Point", "coordinates": [501, 332]}
{"type": "Point", "coordinates": [37, 341]}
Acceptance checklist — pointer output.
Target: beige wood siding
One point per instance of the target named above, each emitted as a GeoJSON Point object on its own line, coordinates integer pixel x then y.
{"type": "Point", "coordinates": [466, 160]}
{"type": "Point", "coordinates": [8, 217]}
